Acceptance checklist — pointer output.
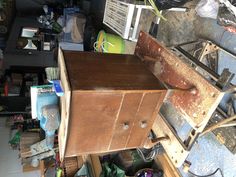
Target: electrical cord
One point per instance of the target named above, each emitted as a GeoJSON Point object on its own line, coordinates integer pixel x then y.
{"type": "Point", "coordinates": [147, 157]}
{"type": "Point", "coordinates": [218, 169]}
{"type": "Point", "coordinates": [217, 125]}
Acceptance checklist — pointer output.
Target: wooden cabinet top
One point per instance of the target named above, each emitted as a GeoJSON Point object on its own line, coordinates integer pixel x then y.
{"type": "Point", "coordinates": [96, 71]}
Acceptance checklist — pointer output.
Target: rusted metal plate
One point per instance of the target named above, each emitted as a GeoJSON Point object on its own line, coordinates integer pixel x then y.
{"type": "Point", "coordinates": [191, 94]}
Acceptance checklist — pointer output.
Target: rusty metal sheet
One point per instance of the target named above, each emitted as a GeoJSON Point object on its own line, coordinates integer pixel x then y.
{"type": "Point", "coordinates": [191, 94]}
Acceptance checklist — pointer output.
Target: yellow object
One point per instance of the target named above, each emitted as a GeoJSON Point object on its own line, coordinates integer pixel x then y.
{"type": "Point", "coordinates": [59, 172]}
{"type": "Point", "coordinates": [109, 43]}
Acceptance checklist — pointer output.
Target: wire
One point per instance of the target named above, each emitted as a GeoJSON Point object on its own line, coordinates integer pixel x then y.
{"type": "Point", "coordinates": [218, 169]}
{"type": "Point", "coordinates": [231, 124]}
{"type": "Point", "coordinates": [155, 150]}
{"type": "Point", "coordinates": [197, 50]}
{"type": "Point", "coordinates": [218, 125]}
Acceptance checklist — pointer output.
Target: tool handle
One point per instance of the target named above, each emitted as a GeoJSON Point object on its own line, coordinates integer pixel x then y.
{"type": "Point", "coordinates": [153, 29]}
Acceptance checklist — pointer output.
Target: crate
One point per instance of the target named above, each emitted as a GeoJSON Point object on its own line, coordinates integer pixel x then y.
{"type": "Point", "coordinates": [119, 15]}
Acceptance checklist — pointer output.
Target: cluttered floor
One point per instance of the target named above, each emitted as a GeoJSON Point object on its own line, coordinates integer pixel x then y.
{"type": "Point", "coordinates": [10, 162]}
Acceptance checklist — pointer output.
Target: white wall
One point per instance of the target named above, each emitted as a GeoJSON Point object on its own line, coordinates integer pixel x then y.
{"type": "Point", "coordinates": [10, 164]}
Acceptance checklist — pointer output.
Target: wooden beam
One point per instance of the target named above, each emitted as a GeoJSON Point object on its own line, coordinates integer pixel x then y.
{"type": "Point", "coordinates": [166, 165]}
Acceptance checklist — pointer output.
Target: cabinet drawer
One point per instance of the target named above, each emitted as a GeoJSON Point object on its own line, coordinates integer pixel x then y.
{"type": "Point", "coordinates": [125, 122]}
{"type": "Point", "coordinates": [145, 116]}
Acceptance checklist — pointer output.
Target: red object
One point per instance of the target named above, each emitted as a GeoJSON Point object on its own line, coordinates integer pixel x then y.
{"type": "Point", "coordinates": [58, 162]}
{"type": "Point", "coordinates": [6, 88]}
{"type": "Point", "coordinates": [231, 29]}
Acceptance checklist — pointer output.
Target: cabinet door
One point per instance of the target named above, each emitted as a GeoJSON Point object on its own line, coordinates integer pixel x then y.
{"type": "Point", "coordinates": [125, 122]}
{"type": "Point", "coordinates": [92, 120]}
{"type": "Point", "coordinates": [146, 114]}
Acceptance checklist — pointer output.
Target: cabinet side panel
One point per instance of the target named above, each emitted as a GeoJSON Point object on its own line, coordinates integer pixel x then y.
{"type": "Point", "coordinates": [126, 120]}
{"type": "Point", "coordinates": [145, 116]}
{"type": "Point", "coordinates": [64, 106]}
{"type": "Point", "coordinates": [91, 123]}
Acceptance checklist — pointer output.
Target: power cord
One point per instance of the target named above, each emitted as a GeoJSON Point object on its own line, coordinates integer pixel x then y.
{"type": "Point", "coordinates": [218, 124]}
{"type": "Point", "coordinates": [149, 154]}
{"type": "Point", "coordinates": [218, 169]}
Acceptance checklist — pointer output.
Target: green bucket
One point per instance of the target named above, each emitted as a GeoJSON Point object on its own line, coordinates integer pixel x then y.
{"type": "Point", "coordinates": [109, 43]}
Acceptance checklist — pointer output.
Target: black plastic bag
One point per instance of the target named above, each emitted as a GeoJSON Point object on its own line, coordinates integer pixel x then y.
{"type": "Point", "coordinates": [90, 34]}
{"type": "Point", "coordinates": [167, 4]}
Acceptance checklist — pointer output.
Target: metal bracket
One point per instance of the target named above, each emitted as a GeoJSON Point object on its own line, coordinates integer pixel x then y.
{"type": "Point", "coordinates": [225, 79]}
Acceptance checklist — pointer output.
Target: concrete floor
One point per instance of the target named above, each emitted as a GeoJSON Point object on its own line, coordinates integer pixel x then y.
{"type": "Point", "coordinates": [179, 27]}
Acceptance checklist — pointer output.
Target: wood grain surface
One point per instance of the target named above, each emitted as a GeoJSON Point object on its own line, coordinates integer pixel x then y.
{"type": "Point", "coordinates": [111, 97]}
{"type": "Point", "coordinates": [97, 71]}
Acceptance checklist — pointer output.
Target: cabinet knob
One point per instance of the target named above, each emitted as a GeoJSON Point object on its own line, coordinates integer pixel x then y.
{"type": "Point", "coordinates": [143, 124]}
{"type": "Point", "coordinates": [125, 126]}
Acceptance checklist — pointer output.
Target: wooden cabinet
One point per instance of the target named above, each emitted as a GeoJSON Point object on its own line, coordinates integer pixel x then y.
{"type": "Point", "coordinates": [110, 102]}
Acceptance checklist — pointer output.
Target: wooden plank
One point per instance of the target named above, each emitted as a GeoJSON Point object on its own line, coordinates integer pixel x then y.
{"type": "Point", "coordinates": [96, 165]}
{"type": "Point", "coordinates": [42, 168]}
{"type": "Point", "coordinates": [80, 161]}
{"type": "Point", "coordinates": [88, 159]}
{"type": "Point", "coordinates": [166, 165]}
{"type": "Point", "coordinates": [27, 139]}
{"type": "Point", "coordinates": [64, 106]}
